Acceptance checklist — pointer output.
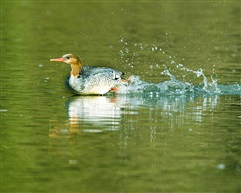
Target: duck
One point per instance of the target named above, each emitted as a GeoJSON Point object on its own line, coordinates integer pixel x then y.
{"type": "Point", "coordinates": [88, 80]}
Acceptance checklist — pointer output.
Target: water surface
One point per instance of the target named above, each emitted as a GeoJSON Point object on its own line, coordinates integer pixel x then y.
{"type": "Point", "coordinates": [175, 128]}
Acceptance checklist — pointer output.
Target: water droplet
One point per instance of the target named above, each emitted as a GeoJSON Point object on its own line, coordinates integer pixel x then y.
{"type": "Point", "coordinates": [221, 166]}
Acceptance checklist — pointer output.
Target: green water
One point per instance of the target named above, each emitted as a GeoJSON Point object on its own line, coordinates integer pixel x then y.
{"type": "Point", "coordinates": [52, 141]}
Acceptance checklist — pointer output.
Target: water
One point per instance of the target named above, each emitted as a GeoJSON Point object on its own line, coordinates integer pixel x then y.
{"type": "Point", "coordinates": [176, 87]}
{"type": "Point", "coordinates": [174, 128]}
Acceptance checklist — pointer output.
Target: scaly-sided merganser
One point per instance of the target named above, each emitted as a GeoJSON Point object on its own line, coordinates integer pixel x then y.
{"type": "Point", "coordinates": [90, 80]}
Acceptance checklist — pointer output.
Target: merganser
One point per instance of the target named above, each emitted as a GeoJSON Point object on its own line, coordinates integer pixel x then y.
{"type": "Point", "coordinates": [89, 80]}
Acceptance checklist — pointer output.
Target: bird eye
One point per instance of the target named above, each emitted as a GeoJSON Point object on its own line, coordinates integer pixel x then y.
{"type": "Point", "coordinates": [67, 57]}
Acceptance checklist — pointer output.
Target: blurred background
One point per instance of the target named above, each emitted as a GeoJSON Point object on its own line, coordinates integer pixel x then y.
{"type": "Point", "coordinates": [53, 141]}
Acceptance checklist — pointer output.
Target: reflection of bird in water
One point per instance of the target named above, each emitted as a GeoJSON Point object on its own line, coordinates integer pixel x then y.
{"type": "Point", "coordinates": [90, 80]}
{"type": "Point", "coordinates": [88, 114]}
{"type": "Point", "coordinates": [97, 113]}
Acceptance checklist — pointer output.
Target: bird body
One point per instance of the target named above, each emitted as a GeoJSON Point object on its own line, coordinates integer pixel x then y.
{"type": "Point", "coordinates": [90, 80]}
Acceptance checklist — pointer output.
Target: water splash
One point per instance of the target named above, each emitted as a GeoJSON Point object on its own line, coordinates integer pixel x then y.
{"type": "Point", "coordinates": [175, 87]}
{"type": "Point", "coordinates": [207, 86]}
{"type": "Point", "coordinates": [170, 87]}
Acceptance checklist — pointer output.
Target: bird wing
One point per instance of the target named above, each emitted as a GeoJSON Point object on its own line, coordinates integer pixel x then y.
{"type": "Point", "coordinates": [108, 72]}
